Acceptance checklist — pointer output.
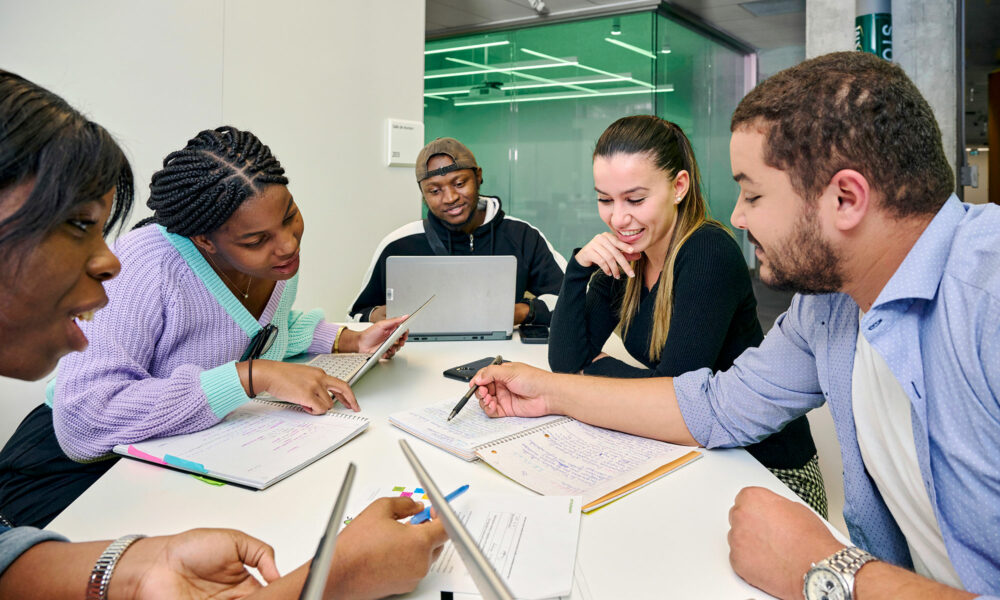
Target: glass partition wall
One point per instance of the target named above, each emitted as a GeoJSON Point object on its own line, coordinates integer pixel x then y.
{"type": "Point", "coordinates": [531, 103]}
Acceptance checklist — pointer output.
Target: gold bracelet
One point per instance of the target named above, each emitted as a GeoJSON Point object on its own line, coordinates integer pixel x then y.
{"type": "Point", "coordinates": [336, 340]}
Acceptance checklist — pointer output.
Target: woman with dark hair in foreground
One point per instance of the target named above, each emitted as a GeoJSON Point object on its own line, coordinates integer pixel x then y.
{"type": "Point", "coordinates": [64, 183]}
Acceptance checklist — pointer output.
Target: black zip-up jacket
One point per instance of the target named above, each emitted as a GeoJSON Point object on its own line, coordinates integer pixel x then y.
{"type": "Point", "coordinates": [539, 267]}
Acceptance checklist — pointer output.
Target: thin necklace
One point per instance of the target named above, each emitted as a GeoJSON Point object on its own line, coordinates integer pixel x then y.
{"type": "Point", "coordinates": [245, 294]}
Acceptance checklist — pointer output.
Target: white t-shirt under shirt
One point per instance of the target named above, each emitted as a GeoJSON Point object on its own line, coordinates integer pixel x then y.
{"type": "Point", "coordinates": [885, 436]}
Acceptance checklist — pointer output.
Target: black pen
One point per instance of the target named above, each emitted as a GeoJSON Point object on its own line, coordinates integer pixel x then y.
{"type": "Point", "coordinates": [468, 394]}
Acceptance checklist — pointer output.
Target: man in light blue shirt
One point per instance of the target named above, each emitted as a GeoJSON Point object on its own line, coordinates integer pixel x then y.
{"type": "Point", "coordinates": [845, 191]}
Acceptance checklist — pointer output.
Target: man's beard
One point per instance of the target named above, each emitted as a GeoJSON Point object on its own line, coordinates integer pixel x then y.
{"type": "Point", "coordinates": [805, 263]}
{"type": "Point", "coordinates": [461, 226]}
{"type": "Point", "coordinates": [472, 215]}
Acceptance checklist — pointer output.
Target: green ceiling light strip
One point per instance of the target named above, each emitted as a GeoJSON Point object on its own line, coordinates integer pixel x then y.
{"type": "Point", "coordinates": [556, 82]}
{"type": "Point", "coordinates": [458, 48]}
{"type": "Point", "coordinates": [635, 49]}
{"type": "Point", "coordinates": [591, 69]}
{"type": "Point", "coordinates": [566, 96]}
{"type": "Point", "coordinates": [454, 91]}
{"type": "Point", "coordinates": [494, 70]}
{"type": "Point", "coordinates": [526, 75]}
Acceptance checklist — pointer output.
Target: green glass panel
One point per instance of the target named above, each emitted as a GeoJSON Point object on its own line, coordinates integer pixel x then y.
{"type": "Point", "coordinates": [708, 81]}
{"type": "Point", "coordinates": [531, 103]}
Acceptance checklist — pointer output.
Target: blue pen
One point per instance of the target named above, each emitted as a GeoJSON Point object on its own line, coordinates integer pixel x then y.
{"type": "Point", "coordinates": [425, 514]}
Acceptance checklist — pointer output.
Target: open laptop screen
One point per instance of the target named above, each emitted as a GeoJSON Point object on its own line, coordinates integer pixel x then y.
{"type": "Point", "coordinates": [474, 295]}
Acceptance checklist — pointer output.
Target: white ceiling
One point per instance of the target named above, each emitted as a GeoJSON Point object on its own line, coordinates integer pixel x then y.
{"type": "Point", "coordinates": [764, 32]}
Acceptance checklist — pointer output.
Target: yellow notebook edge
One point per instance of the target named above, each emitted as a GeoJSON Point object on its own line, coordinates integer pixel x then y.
{"type": "Point", "coordinates": [644, 480]}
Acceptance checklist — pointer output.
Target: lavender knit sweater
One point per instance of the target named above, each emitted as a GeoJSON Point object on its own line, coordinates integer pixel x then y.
{"type": "Point", "coordinates": [162, 355]}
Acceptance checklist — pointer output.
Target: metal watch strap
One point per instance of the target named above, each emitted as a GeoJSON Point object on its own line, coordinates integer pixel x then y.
{"type": "Point", "coordinates": [849, 560]}
{"type": "Point", "coordinates": [100, 577]}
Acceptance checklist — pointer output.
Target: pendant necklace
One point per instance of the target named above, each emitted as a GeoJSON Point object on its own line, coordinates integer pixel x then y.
{"type": "Point", "coordinates": [246, 294]}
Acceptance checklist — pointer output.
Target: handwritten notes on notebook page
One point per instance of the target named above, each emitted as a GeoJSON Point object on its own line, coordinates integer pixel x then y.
{"type": "Point", "coordinates": [256, 445]}
{"type": "Point", "coordinates": [551, 455]}
{"type": "Point", "coordinates": [573, 458]}
{"type": "Point", "coordinates": [469, 430]}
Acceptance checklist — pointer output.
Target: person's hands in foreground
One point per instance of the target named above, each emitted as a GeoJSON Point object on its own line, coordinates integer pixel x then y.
{"type": "Point", "coordinates": [200, 563]}
{"type": "Point", "coordinates": [774, 541]}
{"type": "Point", "coordinates": [378, 556]}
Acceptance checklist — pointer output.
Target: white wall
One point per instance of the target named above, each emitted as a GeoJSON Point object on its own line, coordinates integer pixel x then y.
{"type": "Point", "coordinates": [315, 79]}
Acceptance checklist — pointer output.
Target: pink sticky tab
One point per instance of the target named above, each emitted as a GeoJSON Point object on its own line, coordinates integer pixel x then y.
{"type": "Point", "coordinates": [143, 456]}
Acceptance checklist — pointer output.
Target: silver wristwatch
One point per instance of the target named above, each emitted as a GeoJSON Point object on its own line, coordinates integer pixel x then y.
{"type": "Point", "coordinates": [833, 578]}
{"type": "Point", "coordinates": [100, 577]}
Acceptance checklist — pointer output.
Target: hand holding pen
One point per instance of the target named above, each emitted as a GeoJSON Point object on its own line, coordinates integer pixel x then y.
{"type": "Point", "coordinates": [461, 403]}
{"type": "Point", "coordinates": [425, 514]}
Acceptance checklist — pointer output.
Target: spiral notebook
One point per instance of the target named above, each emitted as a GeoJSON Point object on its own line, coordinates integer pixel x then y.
{"type": "Point", "coordinates": [553, 455]}
{"type": "Point", "coordinates": [256, 445]}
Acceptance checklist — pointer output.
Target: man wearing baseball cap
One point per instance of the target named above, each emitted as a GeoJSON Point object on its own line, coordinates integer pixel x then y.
{"type": "Point", "coordinates": [461, 222]}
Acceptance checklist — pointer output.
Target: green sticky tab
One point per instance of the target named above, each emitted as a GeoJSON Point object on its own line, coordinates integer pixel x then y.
{"type": "Point", "coordinates": [208, 481]}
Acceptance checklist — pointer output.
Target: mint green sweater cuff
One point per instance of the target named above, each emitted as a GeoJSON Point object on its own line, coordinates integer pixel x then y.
{"type": "Point", "coordinates": [223, 390]}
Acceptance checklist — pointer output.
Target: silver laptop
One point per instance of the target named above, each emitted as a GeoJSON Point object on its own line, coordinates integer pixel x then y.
{"type": "Point", "coordinates": [350, 366]}
{"type": "Point", "coordinates": [475, 295]}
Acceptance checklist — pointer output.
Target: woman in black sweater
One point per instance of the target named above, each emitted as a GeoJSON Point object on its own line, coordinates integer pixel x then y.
{"type": "Point", "coordinates": [703, 315]}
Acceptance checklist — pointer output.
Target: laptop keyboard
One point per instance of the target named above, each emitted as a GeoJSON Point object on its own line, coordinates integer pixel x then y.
{"type": "Point", "coordinates": [341, 366]}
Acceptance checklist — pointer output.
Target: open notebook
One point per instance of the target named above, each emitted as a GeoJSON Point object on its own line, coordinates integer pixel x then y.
{"type": "Point", "coordinates": [256, 445]}
{"type": "Point", "coordinates": [551, 455]}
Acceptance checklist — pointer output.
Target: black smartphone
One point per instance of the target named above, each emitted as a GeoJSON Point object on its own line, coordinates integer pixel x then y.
{"type": "Point", "coordinates": [467, 371]}
{"type": "Point", "coordinates": [534, 334]}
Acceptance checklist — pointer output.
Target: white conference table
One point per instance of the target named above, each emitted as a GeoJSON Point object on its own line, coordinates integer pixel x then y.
{"type": "Point", "coordinates": [665, 540]}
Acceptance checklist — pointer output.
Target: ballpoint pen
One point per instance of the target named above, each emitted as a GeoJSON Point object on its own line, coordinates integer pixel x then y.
{"type": "Point", "coordinates": [425, 514]}
{"type": "Point", "coordinates": [472, 390]}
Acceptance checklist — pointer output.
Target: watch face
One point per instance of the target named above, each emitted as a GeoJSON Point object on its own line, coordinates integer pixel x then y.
{"type": "Point", "coordinates": [824, 584]}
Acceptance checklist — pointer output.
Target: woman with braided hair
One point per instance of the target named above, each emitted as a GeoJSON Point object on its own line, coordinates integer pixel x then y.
{"type": "Point", "coordinates": [65, 183]}
{"type": "Point", "coordinates": [212, 273]}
